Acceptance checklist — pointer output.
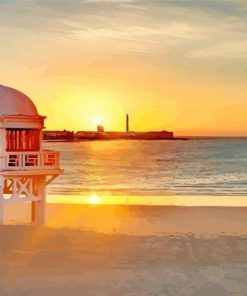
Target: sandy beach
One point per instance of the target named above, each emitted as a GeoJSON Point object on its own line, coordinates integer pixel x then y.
{"type": "Point", "coordinates": [125, 250]}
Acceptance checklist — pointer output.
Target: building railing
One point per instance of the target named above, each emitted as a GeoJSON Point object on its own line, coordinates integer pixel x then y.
{"type": "Point", "coordinates": [45, 159]}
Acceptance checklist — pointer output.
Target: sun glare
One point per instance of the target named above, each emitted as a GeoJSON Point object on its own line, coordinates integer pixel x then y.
{"type": "Point", "coordinates": [97, 121]}
{"type": "Point", "coordinates": [94, 199]}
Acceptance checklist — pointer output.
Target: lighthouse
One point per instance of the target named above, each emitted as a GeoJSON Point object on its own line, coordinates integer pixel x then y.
{"type": "Point", "coordinates": [25, 169]}
{"type": "Point", "coordinates": [127, 123]}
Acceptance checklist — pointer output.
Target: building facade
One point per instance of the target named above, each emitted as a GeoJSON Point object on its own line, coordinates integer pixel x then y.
{"type": "Point", "coordinates": [25, 169]}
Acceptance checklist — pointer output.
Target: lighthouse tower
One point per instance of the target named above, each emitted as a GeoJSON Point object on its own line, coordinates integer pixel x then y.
{"type": "Point", "coordinates": [25, 169]}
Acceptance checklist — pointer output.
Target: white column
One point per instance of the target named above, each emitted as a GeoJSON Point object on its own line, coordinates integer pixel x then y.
{"type": "Point", "coordinates": [3, 147]}
{"type": "Point", "coordinates": [38, 207]}
{"type": "Point", "coordinates": [1, 212]}
{"type": "Point", "coordinates": [1, 198]}
{"type": "Point", "coordinates": [3, 141]}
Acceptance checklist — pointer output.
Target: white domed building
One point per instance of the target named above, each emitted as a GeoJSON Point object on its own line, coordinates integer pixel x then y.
{"type": "Point", "coordinates": [25, 169]}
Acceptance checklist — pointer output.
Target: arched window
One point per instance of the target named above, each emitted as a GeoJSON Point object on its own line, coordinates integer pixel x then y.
{"type": "Point", "coordinates": [23, 139]}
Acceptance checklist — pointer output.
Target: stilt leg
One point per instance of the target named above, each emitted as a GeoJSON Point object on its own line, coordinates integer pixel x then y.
{"type": "Point", "coordinates": [1, 212]}
{"type": "Point", "coordinates": [38, 207]}
{"type": "Point", "coordinates": [1, 198]}
{"type": "Point", "coordinates": [38, 212]}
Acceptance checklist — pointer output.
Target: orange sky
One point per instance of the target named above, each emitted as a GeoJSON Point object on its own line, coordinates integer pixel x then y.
{"type": "Point", "coordinates": [170, 64]}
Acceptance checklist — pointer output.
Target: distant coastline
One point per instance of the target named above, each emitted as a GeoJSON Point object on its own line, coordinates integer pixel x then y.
{"type": "Point", "coordinates": [71, 136]}
{"type": "Point", "coordinates": [101, 134]}
{"type": "Point", "coordinates": [64, 135]}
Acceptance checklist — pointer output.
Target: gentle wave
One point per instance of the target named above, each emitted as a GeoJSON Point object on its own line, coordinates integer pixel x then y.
{"type": "Point", "coordinates": [194, 167]}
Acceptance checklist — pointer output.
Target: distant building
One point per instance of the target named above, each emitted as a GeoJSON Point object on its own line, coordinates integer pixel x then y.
{"type": "Point", "coordinates": [100, 128]}
{"type": "Point", "coordinates": [100, 134]}
{"type": "Point", "coordinates": [158, 135]}
{"type": "Point", "coordinates": [58, 135]}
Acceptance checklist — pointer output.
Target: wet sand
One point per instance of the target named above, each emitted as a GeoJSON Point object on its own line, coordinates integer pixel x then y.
{"type": "Point", "coordinates": [125, 250]}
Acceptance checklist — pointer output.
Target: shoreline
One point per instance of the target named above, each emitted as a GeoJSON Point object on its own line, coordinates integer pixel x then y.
{"type": "Point", "coordinates": [151, 200]}
{"type": "Point", "coordinates": [137, 220]}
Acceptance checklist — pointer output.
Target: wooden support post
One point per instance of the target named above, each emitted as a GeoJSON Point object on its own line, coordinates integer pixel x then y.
{"type": "Point", "coordinates": [1, 212]}
{"type": "Point", "coordinates": [38, 207]}
{"type": "Point", "coordinates": [1, 199]}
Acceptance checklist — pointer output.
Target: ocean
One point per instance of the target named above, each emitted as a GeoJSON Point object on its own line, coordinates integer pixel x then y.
{"type": "Point", "coordinates": [199, 166]}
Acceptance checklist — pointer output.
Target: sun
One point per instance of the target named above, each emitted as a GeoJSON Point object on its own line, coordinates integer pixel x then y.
{"type": "Point", "coordinates": [94, 199]}
{"type": "Point", "coordinates": [97, 121]}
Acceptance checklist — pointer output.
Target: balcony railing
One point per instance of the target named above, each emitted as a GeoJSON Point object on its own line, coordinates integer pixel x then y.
{"type": "Point", "coordinates": [45, 159]}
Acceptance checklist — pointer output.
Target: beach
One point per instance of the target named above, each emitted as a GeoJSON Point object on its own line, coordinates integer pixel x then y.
{"type": "Point", "coordinates": [123, 148]}
{"type": "Point", "coordinates": [125, 250]}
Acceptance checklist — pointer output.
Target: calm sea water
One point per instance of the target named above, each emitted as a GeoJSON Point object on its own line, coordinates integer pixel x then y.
{"type": "Point", "coordinates": [193, 167]}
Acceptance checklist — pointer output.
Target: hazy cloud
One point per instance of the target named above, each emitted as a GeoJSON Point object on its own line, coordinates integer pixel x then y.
{"type": "Point", "coordinates": [111, 1]}
{"type": "Point", "coordinates": [229, 50]}
{"type": "Point", "coordinates": [175, 31]}
{"type": "Point", "coordinates": [184, 55]}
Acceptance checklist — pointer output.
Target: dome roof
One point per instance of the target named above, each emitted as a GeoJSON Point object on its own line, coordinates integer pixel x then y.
{"type": "Point", "coordinates": [13, 102]}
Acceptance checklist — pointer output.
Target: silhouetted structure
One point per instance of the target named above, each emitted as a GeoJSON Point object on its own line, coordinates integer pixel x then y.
{"type": "Point", "coordinates": [58, 135]}
{"type": "Point", "coordinates": [100, 128]}
{"type": "Point", "coordinates": [127, 123]}
{"type": "Point", "coordinates": [100, 134]}
{"type": "Point", "coordinates": [88, 135]}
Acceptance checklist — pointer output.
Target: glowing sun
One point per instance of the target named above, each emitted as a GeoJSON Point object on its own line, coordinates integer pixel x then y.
{"type": "Point", "coordinates": [97, 121]}
{"type": "Point", "coordinates": [94, 199]}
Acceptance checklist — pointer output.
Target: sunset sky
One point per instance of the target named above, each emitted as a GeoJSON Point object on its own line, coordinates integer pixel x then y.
{"type": "Point", "coordinates": [175, 65]}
